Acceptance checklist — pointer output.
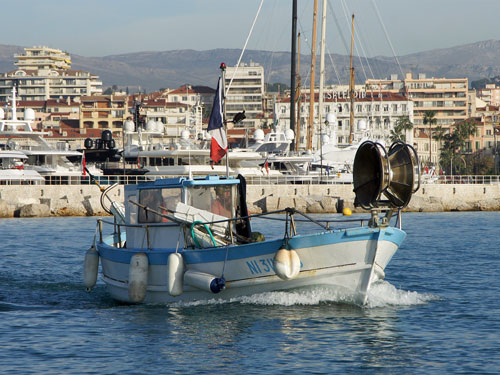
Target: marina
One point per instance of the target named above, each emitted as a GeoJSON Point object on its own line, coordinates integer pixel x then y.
{"type": "Point", "coordinates": [157, 217]}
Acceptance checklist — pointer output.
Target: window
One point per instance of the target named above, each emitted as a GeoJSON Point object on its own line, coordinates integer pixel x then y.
{"type": "Point", "coordinates": [218, 199]}
{"type": "Point", "coordinates": [154, 198]}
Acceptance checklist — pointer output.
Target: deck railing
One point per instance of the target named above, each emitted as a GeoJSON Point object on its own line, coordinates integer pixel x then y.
{"type": "Point", "coordinates": [259, 180]}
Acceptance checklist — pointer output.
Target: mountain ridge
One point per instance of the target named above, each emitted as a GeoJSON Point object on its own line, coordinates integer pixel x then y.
{"type": "Point", "coordinates": [152, 70]}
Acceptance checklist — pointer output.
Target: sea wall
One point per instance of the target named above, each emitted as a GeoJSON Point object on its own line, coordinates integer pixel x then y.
{"type": "Point", "coordinates": [84, 200]}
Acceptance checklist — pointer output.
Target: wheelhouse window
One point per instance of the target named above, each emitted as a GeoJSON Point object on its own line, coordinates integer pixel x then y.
{"type": "Point", "coordinates": [161, 200]}
{"type": "Point", "coordinates": [218, 199]}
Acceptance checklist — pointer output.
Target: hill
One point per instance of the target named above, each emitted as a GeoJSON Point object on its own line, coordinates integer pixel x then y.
{"type": "Point", "coordinates": [153, 70]}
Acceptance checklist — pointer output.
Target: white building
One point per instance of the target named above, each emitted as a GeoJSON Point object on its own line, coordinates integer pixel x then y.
{"type": "Point", "coordinates": [379, 111]}
{"type": "Point", "coordinates": [44, 73]}
{"type": "Point", "coordinates": [245, 93]}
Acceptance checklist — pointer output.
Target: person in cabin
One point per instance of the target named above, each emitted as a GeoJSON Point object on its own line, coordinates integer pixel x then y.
{"type": "Point", "coordinates": [221, 203]}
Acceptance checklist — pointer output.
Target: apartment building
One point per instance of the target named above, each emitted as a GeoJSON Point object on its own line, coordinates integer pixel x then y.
{"type": "Point", "coordinates": [246, 91]}
{"type": "Point", "coordinates": [40, 58]}
{"type": "Point", "coordinates": [104, 112]}
{"type": "Point", "coordinates": [490, 94]}
{"type": "Point", "coordinates": [446, 97]}
{"type": "Point", "coordinates": [45, 73]}
{"type": "Point", "coordinates": [376, 112]}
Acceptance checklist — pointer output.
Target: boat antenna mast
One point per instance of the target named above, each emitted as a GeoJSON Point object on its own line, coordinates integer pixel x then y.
{"type": "Point", "coordinates": [351, 87]}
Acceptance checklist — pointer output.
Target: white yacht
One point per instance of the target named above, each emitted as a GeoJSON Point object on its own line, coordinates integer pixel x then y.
{"type": "Point", "coordinates": [184, 156]}
{"type": "Point", "coordinates": [12, 171]}
{"type": "Point", "coordinates": [41, 156]}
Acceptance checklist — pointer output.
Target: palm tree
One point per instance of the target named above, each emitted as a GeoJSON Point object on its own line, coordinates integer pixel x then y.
{"type": "Point", "coordinates": [439, 135]}
{"type": "Point", "coordinates": [430, 118]}
{"type": "Point", "coordinates": [403, 124]}
{"type": "Point", "coordinates": [455, 142]}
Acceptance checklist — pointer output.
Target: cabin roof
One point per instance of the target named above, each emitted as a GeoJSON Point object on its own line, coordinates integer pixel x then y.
{"type": "Point", "coordinates": [178, 182]}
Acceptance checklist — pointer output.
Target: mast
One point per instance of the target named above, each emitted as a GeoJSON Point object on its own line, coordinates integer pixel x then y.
{"type": "Point", "coordinates": [351, 88]}
{"type": "Point", "coordinates": [299, 83]}
{"type": "Point", "coordinates": [311, 91]}
{"type": "Point", "coordinates": [322, 67]}
{"type": "Point", "coordinates": [293, 71]}
{"type": "Point", "coordinates": [14, 105]}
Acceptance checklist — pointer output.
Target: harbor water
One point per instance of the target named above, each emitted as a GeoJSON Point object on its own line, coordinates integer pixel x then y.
{"type": "Point", "coordinates": [438, 311]}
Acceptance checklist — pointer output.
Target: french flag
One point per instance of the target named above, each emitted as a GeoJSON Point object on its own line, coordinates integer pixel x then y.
{"type": "Point", "coordinates": [218, 147]}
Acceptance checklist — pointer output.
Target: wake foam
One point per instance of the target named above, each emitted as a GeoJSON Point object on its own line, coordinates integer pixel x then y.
{"type": "Point", "coordinates": [381, 294]}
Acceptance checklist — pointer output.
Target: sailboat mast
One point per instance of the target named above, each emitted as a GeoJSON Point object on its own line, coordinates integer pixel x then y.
{"type": "Point", "coordinates": [351, 88]}
{"type": "Point", "coordinates": [322, 67]}
{"type": "Point", "coordinates": [293, 71]}
{"type": "Point", "coordinates": [299, 83]}
{"type": "Point", "coordinates": [311, 91]}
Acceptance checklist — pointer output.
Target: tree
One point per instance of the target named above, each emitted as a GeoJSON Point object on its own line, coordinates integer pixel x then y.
{"type": "Point", "coordinates": [439, 134]}
{"type": "Point", "coordinates": [430, 119]}
{"type": "Point", "coordinates": [453, 147]}
{"type": "Point", "coordinates": [403, 124]}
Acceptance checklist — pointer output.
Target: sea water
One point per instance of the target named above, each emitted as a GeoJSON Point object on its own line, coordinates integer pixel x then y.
{"type": "Point", "coordinates": [437, 311]}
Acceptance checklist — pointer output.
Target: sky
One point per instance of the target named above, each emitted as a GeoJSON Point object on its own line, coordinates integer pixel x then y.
{"type": "Point", "coordinates": [110, 27]}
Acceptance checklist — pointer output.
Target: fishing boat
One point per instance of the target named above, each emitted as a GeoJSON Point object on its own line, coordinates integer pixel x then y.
{"type": "Point", "coordinates": [188, 239]}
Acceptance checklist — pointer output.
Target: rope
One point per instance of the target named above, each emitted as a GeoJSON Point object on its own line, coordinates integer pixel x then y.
{"type": "Point", "coordinates": [95, 234]}
{"type": "Point", "coordinates": [244, 47]}
{"type": "Point", "coordinates": [388, 39]}
{"type": "Point", "coordinates": [225, 260]}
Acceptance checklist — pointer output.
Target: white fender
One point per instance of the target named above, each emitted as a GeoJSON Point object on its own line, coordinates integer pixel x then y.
{"type": "Point", "coordinates": [286, 264]}
{"type": "Point", "coordinates": [175, 274]}
{"type": "Point", "coordinates": [138, 277]}
{"type": "Point", "coordinates": [90, 267]}
{"type": "Point", "coordinates": [204, 281]}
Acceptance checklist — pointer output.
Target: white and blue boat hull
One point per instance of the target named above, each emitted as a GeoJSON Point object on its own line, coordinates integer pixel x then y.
{"type": "Point", "coordinates": [350, 259]}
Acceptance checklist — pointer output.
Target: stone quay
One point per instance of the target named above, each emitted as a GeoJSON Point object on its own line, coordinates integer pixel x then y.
{"type": "Point", "coordinates": [84, 200]}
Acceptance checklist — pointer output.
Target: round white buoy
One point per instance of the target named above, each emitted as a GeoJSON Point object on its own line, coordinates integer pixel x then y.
{"type": "Point", "coordinates": [138, 277]}
{"type": "Point", "coordinates": [286, 264]}
{"type": "Point", "coordinates": [90, 267]}
{"type": "Point", "coordinates": [204, 281]}
{"type": "Point", "coordinates": [175, 274]}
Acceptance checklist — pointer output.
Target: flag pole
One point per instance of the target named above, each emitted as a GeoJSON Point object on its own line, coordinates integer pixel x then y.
{"type": "Point", "coordinates": [224, 122]}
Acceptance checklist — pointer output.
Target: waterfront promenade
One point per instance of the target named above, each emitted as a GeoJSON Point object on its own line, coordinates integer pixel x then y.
{"type": "Point", "coordinates": [84, 200]}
